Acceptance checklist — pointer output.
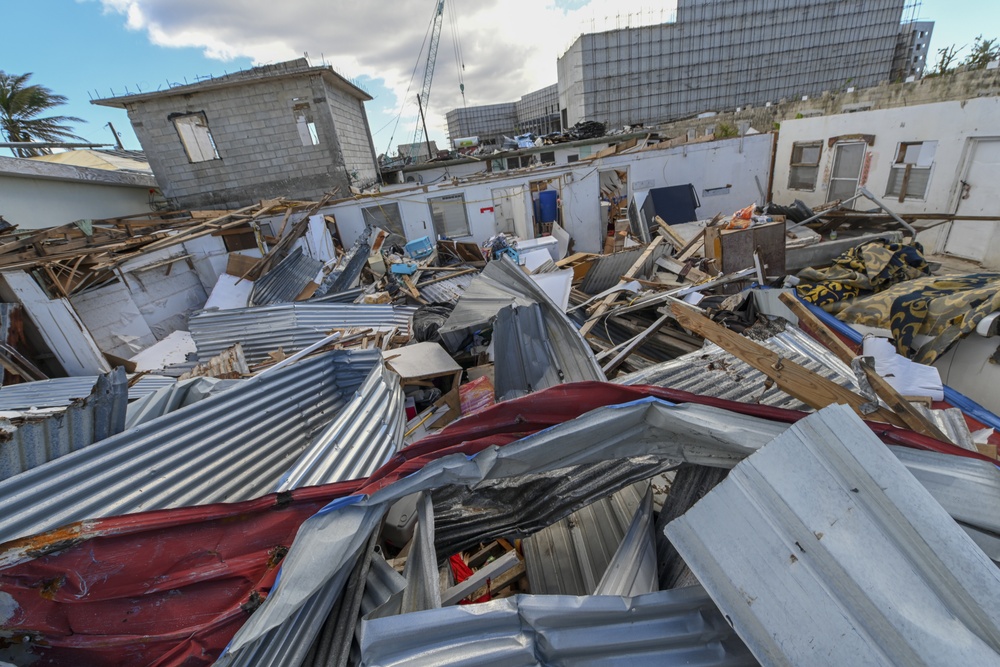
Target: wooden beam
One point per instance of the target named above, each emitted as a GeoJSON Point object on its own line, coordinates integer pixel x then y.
{"type": "Point", "coordinates": [815, 326]}
{"type": "Point", "coordinates": [604, 305]}
{"type": "Point", "coordinates": [463, 272]}
{"type": "Point", "coordinates": [812, 389]}
{"type": "Point", "coordinates": [676, 240]}
{"type": "Point", "coordinates": [612, 366]}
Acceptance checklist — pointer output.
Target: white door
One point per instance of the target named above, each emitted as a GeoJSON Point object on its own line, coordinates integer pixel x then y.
{"type": "Point", "coordinates": [976, 239]}
{"type": "Point", "coordinates": [847, 162]}
{"type": "Point", "coordinates": [510, 211]}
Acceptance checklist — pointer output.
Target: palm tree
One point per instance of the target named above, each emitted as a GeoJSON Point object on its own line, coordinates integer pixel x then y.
{"type": "Point", "coordinates": [20, 108]}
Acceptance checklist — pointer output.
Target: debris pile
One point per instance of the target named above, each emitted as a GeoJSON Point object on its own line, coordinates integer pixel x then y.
{"type": "Point", "coordinates": [228, 439]}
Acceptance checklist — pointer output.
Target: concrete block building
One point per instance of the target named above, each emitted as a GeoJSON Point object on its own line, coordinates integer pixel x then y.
{"type": "Point", "coordinates": [912, 50]}
{"type": "Point", "coordinates": [287, 129]}
{"type": "Point", "coordinates": [723, 54]}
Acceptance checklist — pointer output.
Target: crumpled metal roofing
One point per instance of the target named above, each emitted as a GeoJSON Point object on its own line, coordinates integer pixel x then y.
{"type": "Point", "coordinates": [287, 280]}
{"type": "Point", "coordinates": [174, 397]}
{"type": "Point", "coordinates": [57, 392]}
{"type": "Point", "coordinates": [539, 345]}
{"type": "Point", "coordinates": [607, 270]}
{"type": "Point", "coordinates": [711, 371]}
{"type": "Point", "coordinates": [570, 556]}
{"type": "Point", "coordinates": [232, 446]}
{"type": "Point", "coordinates": [328, 544]}
{"type": "Point", "coordinates": [822, 547]}
{"type": "Point", "coordinates": [290, 327]}
{"type": "Point", "coordinates": [345, 276]}
{"type": "Point", "coordinates": [448, 290]}
{"type": "Point", "coordinates": [632, 571]}
{"type": "Point", "coordinates": [674, 627]}
{"type": "Point", "coordinates": [30, 440]}
{"type": "Point", "coordinates": [146, 559]}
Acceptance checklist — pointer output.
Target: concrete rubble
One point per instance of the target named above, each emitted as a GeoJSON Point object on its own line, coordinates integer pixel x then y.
{"type": "Point", "coordinates": [257, 437]}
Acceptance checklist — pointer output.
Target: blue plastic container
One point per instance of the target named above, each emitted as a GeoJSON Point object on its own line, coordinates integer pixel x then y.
{"type": "Point", "coordinates": [419, 248]}
{"type": "Point", "coordinates": [547, 206]}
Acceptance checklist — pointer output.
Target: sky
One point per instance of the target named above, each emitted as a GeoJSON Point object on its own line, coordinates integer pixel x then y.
{"type": "Point", "coordinates": [86, 49]}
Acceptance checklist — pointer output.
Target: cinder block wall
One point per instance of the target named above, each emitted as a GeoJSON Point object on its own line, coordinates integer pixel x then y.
{"type": "Point", "coordinates": [260, 149]}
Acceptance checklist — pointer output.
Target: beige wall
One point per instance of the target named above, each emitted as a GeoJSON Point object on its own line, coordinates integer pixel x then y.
{"type": "Point", "coordinates": [33, 203]}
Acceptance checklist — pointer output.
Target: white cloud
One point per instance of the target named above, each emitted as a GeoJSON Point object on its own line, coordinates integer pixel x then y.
{"type": "Point", "coordinates": [510, 47]}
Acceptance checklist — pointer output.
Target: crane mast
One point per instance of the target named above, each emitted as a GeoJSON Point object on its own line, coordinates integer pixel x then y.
{"type": "Point", "coordinates": [425, 90]}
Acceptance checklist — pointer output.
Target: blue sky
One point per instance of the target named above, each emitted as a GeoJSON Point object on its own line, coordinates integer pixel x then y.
{"type": "Point", "coordinates": [96, 48]}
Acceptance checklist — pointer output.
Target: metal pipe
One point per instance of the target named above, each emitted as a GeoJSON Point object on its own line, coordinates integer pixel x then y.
{"type": "Point", "coordinates": [903, 223]}
{"type": "Point", "coordinates": [820, 215]}
{"type": "Point", "coordinates": [49, 144]}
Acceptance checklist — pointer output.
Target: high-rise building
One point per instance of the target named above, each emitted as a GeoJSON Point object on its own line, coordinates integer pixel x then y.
{"type": "Point", "coordinates": [722, 54]}
{"type": "Point", "coordinates": [536, 112]}
{"type": "Point", "coordinates": [912, 50]}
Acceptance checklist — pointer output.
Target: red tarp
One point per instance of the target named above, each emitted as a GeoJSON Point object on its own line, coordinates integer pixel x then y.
{"type": "Point", "coordinates": [172, 587]}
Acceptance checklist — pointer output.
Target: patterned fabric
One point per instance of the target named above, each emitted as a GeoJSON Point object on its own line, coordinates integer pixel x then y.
{"type": "Point", "coordinates": [946, 307]}
{"type": "Point", "coordinates": [860, 271]}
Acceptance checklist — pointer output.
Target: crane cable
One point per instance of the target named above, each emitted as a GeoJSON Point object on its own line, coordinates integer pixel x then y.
{"type": "Point", "coordinates": [459, 56]}
{"type": "Point", "coordinates": [406, 96]}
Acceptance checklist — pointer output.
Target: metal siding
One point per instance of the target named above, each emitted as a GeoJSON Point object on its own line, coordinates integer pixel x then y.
{"type": "Point", "coordinates": [290, 327]}
{"type": "Point", "coordinates": [822, 544]}
{"type": "Point", "coordinates": [287, 280]}
{"type": "Point", "coordinates": [226, 448]}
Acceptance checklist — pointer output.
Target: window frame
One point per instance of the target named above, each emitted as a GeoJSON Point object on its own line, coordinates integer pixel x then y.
{"type": "Point", "coordinates": [305, 124]}
{"type": "Point", "coordinates": [439, 221]}
{"type": "Point", "coordinates": [196, 145]}
{"type": "Point", "coordinates": [899, 185]}
{"type": "Point", "coordinates": [374, 215]}
{"type": "Point", "coordinates": [794, 184]}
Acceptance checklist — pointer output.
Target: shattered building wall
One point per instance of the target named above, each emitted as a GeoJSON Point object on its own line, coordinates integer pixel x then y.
{"type": "Point", "coordinates": [722, 54]}
{"type": "Point", "coordinates": [280, 130]}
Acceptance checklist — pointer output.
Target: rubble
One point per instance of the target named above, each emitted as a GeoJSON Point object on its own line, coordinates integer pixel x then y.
{"type": "Point", "coordinates": [268, 440]}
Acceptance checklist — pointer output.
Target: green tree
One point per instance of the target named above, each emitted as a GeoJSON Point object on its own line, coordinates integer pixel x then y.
{"type": "Point", "coordinates": [946, 60]}
{"type": "Point", "coordinates": [21, 109]}
{"type": "Point", "coordinates": [984, 51]}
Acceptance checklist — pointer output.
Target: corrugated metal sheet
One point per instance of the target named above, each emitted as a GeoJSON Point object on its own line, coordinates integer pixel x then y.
{"type": "Point", "coordinates": [28, 441]}
{"type": "Point", "coordinates": [650, 429]}
{"type": "Point", "coordinates": [174, 397]}
{"type": "Point", "coordinates": [359, 440]}
{"type": "Point", "coordinates": [57, 392]}
{"type": "Point", "coordinates": [571, 556]}
{"type": "Point", "coordinates": [347, 273]}
{"type": "Point", "coordinates": [711, 371]}
{"type": "Point", "coordinates": [229, 447]}
{"type": "Point", "coordinates": [665, 628]}
{"type": "Point", "coordinates": [633, 571]}
{"type": "Point", "coordinates": [569, 358]}
{"type": "Point", "coordinates": [287, 280]}
{"type": "Point", "coordinates": [606, 271]}
{"type": "Point", "coordinates": [448, 290]}
{"type": "Point", "coordinates": [147, 384]}
{"type": "Point", "coordinates": [290, 327]}
{"type": "Point", "coordinates": [822, 547]}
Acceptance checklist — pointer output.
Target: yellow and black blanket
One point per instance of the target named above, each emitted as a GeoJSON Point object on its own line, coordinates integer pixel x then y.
{"type": "Point", "coordinates": [886, 285]}
{"type": "Point", "coordinates": [862, 270]}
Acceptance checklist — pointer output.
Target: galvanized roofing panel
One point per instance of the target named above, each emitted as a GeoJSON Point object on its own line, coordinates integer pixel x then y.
{"type": "Point", "coordinates": [606, 271]}
{"type": "Point", "coordinates": [290, 327]}
{"type": "Point", "coordinates": [29, 441]}
{"type": "Point", "coordinates": [57, 392]}
{"type": "Point", "coordinates": [287, 280]}
{"type": "Point", "coordinates": [821, 547]}
{"type": "Point", "coordinates": [633, 571]}
{"type": "Point", "coordinates": [711, 371]}
{"type": "Point", "coordinates": [328, 544]}
{"type": "Point", "coordinates": [448, 290]}
{"type": "Point", "coordinates": [232, 446]}
{"type": "Point", "coordinates": [571, 556]}
{"type": "Point", "coordinates": [664, 628]}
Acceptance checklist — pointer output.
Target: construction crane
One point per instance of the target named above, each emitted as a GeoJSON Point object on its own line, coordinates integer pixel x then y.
{"type": "Point", "coordinates": [425, 91]}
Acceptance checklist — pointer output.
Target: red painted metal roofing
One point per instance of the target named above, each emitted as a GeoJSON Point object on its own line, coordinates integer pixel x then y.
{"type": "Point", "coordinates": [172, 587]}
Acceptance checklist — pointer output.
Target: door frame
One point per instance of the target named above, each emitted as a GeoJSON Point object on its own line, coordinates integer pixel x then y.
{"type": "Point", "coordinates": [833, 165]}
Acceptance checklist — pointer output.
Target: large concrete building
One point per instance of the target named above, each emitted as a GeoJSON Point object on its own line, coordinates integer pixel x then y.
{"type": "Point", "coordinates": [279, 130]}
{"type": "Point", "coordinates": [912, 48]}
{"type": "Point", "coordinates": [537, 112]}
{"type": "Point", "coordinates": [723, 54]}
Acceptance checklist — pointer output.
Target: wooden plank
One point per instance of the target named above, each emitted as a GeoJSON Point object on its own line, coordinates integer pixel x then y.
{"type": "Point", "coordinates": [463, 272]}
{"type": "Point", "coordinates": [611, 298]}
{"type": "Point", "coordinates": [685, 271]}
{"type": "Point", "coordinates": [813, 390]}
{"type": "Point", "coordinates": [677, 240]}
{"type": "Point", "coordinates": [612, 366]}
